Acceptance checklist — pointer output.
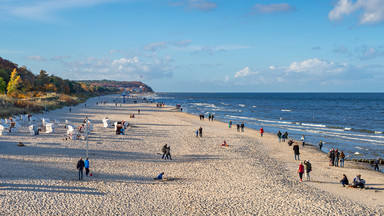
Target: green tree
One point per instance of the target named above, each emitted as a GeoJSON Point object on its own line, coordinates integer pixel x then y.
{"type": "Point", "coordinates": [3, 85]}
{"type": "Point", "coordinates": [13, 84]}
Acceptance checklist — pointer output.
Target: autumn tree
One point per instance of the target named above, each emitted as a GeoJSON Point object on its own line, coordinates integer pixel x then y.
{"type": "Point", "coordinates": [13, 84]}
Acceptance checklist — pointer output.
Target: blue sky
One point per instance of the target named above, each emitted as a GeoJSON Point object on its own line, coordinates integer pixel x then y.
{"type": "Point", "coordinates": [202, 45]}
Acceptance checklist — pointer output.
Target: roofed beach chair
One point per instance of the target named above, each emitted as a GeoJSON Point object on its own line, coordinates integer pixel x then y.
{"type": "Point", "coordinates": [106, 122]}
{"type": "Point", "coordinates": [4, 129]}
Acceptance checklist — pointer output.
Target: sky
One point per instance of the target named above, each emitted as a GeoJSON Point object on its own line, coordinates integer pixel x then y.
{"type": "Point", "coordinates": [202, 45]}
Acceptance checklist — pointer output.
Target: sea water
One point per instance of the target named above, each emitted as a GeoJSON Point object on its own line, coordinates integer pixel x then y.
{"type": "Point", "coordinates": [351, 122]}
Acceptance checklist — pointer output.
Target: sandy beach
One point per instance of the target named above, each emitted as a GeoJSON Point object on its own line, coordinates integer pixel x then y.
{"type": "Point", "coordinates": [252, 176]}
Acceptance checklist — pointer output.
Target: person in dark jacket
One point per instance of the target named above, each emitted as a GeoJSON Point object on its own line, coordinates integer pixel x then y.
{"type": "Point", "coordinates": [331, 156]}
{"type": "Point", "coordinates": [320, 144]}
{"type": "Point", "coordinates": [238, 127]}
{"type": "Point", "coordinates": [201, 131]}
{"type": "Point", "coordinates": [376, 164]}
{"type": "Point", "coordinates": [342, 158]}
{"type": "Point", "coordinates": [337, 156]}
{"type": "Point", "coordinates": [80, 167]}
{"type": "Point", "coordinates": [344, 181]}
{"type": "Point", "coordinates": [242, 127]}
{"type": "Point", "coordinates": [164, 150]}
{"type": "Point", "coordinates": [308, 169]}
{"type": "Point", "coordinates": [168, 153]}
{"type": "Point", "coordinates": [296, 150]}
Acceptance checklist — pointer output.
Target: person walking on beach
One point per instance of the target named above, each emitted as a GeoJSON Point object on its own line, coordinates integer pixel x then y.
{"type": "Point", "coordinates": [261, 132]}
{"type": "Point", "coordinates": [320, 145]}
{"type": "Point", "coordinates": [201, 131]}
{"type": "Point", "coordinates": [242, 127]}
{"type": "Point", "coordinates": [80, 167]}
{"type": "Point", "coordinates": [197, 133]}
{"type": "Point", "coordinates": [331, 156]}
{"type": "Point", "coordinates": [209, 117]}
{"type": "Point", "coordinates": [212, 117]}
{"type": "Point", "coordinates": [86, 166]}
{"type": "Point", "coordinates": [164, 150]}
{"type": "Point", "coordinates": [230, 124]}
{"type": "Point", "coordinates": [296, 150]}
{"type": "Point", "coordinates": [344, 181]}
{"type": "Point", "coordinates": [337, 156]}
{"type": "Point", "coordinates": [377, 162]}
{"type": "Point", "coordinates": [308, 169]}
{"type": "Point", "coordinates": [303, 140]}
{"type": "Point", "coordinates": [300, 170]}
{"type": "Point", "coordinates": [279, 136]}
{"type": "Point", "coordinates": [342, 158]}
{"type": "Point", "coordinates": [168, 153]}
{"type": "Point", "coordinates": [238, 127]}
{"type": "Point", "coordinates": [285, 135]}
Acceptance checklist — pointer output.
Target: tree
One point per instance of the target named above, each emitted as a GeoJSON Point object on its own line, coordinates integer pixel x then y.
{"type": "Point", "coordinates": [3, 85]}
{"type": "Point", "coordinates": [13, 84]}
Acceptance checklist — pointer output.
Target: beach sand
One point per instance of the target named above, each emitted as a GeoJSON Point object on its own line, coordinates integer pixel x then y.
{"type": "Point", "coordinates": [252, 176]}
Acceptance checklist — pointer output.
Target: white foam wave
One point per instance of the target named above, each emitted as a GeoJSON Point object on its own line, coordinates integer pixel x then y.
{"type": "Point", "coordinates": [378, 132]}
{"type": "Point", "coordinates": [286, 110]}
{"type": "Point", "coordinates": [313, 125]}
{"type": "Point", "coordinates": [241, 105]}
{"type": "Point", "coordinates": [357, 153]}
{"type": "Point", "coordinates": [347, 129]}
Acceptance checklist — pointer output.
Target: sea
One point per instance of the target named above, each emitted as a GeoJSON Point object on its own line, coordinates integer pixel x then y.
{"type": "Point", "coordinates": [351, 122]}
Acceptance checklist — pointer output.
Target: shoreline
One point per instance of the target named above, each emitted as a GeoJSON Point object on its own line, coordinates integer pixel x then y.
{"type": "Point", "coordinates": [251, 176]}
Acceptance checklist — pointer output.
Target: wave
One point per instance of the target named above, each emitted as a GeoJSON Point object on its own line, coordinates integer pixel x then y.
{"type": "Point", "coordinates": [241, 105]}
{"type": "Point", "coordinates": [286, 110]}
{"type": "Point", "coordinates": [313, 125]}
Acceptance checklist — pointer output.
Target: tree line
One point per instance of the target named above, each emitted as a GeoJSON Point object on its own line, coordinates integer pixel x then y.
{"type": "Point", "coordinates": [20, 82]}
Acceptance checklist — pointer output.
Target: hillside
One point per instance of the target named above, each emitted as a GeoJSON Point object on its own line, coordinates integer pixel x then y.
{"type": "Point", "coordinates": [131, 86]}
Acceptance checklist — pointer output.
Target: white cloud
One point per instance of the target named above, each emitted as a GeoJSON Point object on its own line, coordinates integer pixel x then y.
{"type": "Point", "coordinates": [164, 44]}
{"type": "Point", "coordinates": [43, 10]}
{"type": "Point", "coordinates": [201, 5]}
{"type": "Point", "coordinates": [316, 66]}
{"type": "Point", "coordinates": [372, 11]}
{"type": "Point", "coordinates": [122, 68]}
{"type": "Point", "coordinates": [272, 8]}
{"type": "Point", "coordinates": [366, 52]}
{"type": "Point", "coordinates": [245, 72]}
{"type": "Point", "coordinates": [35, 58]}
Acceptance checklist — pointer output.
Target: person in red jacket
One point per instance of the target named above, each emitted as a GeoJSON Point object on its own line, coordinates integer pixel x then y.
{"type": "Point", "coordinates": [300, 170]}
{"type": "Point", "coordinates": [261, 132]}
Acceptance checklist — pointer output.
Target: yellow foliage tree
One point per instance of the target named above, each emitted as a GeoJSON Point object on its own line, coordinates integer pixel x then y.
{"type": "Point", "coordinates": [14, 84]}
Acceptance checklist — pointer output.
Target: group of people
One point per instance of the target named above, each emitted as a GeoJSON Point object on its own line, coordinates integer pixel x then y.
{"type": "Point", "coordinates": [81, 165]}
{"type": "Point", "coordinates": [199, 132]}
{"type": "Point", "coordinates": [305, 167]}
{"type": "Point", "coordinates": [358, 182]}
{"type": "Point", "coordinates": [281, 136]}
{"type": "Point", "coordinates": [166, 152]}
{"type": "Point", "coordinates": [238, 126]}
{"type": "Point", "coordinates": [335, 156]}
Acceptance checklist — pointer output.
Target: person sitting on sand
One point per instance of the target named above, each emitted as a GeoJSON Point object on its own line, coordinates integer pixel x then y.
{"type": "Point", "coordinates": [358, 182]}
{"type": "Point", "coordinates": [344, 181]}
{"type": "Point", "coordinates": [160, 176]}
{"type": "Point", "coordinates": [224, 143]}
